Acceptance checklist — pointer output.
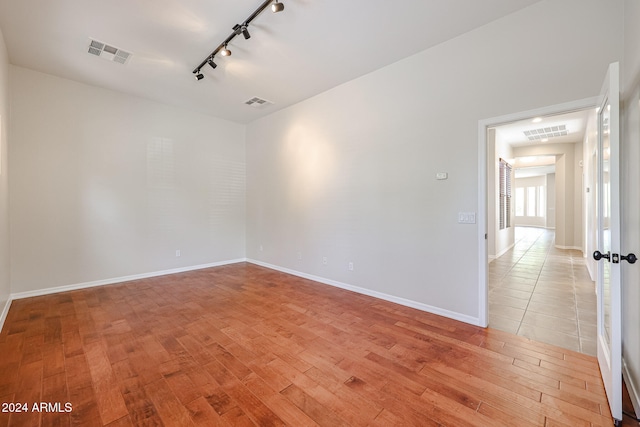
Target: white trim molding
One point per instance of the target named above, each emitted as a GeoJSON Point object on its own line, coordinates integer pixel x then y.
{"type": "Point", "coordinates": [363, 291]}
{"type": "Point", "coordinates": [5, 311]}
{"type": "Point", "coordinates": [112, 281]}
{"type": "Point", "coordinates": [576, 248]}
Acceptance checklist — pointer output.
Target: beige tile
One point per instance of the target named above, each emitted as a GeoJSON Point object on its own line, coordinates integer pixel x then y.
{"type": "Point", "coordinates": [589, 332]}
{"type": "Point", "coordinates": [506, 311]}
{"type": "Point", "coordinates": [587, 317]}
{"type": "Point", "coordinates": [509, 301]}
{"type": "Point", "coordinates": [567, 326]}
{"type": "Point", "coordinates": [503, 323]}
{"type": "Point", "coordinates": [517, 286]}
{"type": "Point", "coordinates": [589, 347]}
{"type": "Point", "coordinates": [514, 293]}
{"type": "Point", "coordinates": [553, 300]}
{"type": "Point", "coordinates": [567, 312]}
{"type": "Point", "coordinates": [550, 336]}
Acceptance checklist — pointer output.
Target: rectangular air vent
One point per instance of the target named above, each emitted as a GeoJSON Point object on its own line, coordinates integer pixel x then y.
{"type": "Point", "coordinates": [108, 52]}
{"type": "Point", "coordinates": [256, 102]}
{"type": "Point", "coordinates": [548, 132]}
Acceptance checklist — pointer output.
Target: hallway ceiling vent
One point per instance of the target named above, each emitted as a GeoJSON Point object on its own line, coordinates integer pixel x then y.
{"type": "Point", "coordinates": [256, 102]}
{"type": "Point", "coordinates": [107, 52]}
{"type": "Point", "coordinates": [546, 133]}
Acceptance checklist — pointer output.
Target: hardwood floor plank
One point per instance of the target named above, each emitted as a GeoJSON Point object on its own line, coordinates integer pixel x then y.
{"type": "Point", "coordinates": [312, 408]}
{"type": "Point", "coordinates": [141, 409]}
{"type": "Point", "coordinates": [287, 411]}
{"type": "Point", "coordinates": [110, 402]}
{"type": "Point", "coordinates": [242, 345]}
{"type": "Point", "coordinates": [28, 392]}
{"type": "Point", "coordinates": [553, 373]}
{"type": "Point", "coordinates": [203, 414]}
{"type": "Point", "coordinates": [54, 390]}
{"type": "Point", "coordinates": [169, 408]}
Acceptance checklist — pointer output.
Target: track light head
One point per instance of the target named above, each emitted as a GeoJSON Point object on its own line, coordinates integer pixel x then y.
{"type": "Point", "coordinates": [211, 63]}
{"type": "Point", "coordinates": [225, 51]}
{"type": "Point", "coordinates": [199, 76]}
{"type": "Point", "coordinates": [245, 32]}
{"type": "Point", "coordinates": [277, 7]}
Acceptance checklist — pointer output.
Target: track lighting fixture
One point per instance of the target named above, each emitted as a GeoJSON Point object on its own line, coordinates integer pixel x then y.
{"type": "Point", "coordinates": [277, 7]}
{"type": "Point", "coordinates": [238, 29]}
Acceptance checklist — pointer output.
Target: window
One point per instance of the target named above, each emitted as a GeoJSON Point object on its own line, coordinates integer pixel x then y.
{"type": "Point", "coordinates": [531, 201]}
{"type": "Point", "coordinates": [542, 198]}
{"type": "Point", "coordinates": [520, 201]}
{"type": "Point", "coordinates": [505, 194]}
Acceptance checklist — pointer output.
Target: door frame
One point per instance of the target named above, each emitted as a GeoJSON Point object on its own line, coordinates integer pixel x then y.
{"type": "Point", "coordinates": [483, 125]}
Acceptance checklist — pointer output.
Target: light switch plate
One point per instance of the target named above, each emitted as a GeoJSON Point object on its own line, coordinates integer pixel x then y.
{"type": "Point", "coordinates": [466, 217]}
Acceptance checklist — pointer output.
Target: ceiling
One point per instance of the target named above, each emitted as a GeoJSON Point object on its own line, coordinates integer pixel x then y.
{"type": "Point", "coordinates": [312, 46]}
{"type": "Point", "coordinates": [574, 124]}
{"type": "Point", "coordinates": [542, 130]}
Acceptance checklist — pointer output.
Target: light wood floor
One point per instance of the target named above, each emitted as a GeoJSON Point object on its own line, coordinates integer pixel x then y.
{"type": "Point", "coordinates": [244, 345]}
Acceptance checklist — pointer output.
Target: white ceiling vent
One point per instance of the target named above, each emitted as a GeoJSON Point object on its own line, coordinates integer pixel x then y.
{"type": "Point", "coordinates": [256, 102]}
{"type": "Point", "coordinates": [546, 133]}
{"type": "Point", "coordinates": [107, 52]}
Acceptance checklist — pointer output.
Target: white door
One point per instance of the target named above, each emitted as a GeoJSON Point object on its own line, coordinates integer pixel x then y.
{"type": "Point", "coordinates": [609, 307]}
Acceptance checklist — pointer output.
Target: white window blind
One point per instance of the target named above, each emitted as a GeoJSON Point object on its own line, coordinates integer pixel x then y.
{"type": "Point", "coordinates": [505, 194]}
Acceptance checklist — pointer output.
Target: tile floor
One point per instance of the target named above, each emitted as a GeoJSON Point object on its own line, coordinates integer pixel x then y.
{"type": "Point", "coordinates": [543, 293]}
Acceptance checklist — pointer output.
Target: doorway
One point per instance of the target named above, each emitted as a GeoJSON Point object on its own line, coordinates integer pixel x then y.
{"type": "Point", "coordinates": [538, 284]}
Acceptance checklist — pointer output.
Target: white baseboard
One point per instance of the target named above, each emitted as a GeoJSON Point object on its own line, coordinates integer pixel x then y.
{"type": "Point", "coordinates": [391, 298]}
{"type": "Point", "coordinates": [502, 252]}
{"type": "Point", "coordinates": [577, 248]}
{"type": "Point", "coordinates": [48, 291]}
{"type": "Point", "coordinates": [632, 387]}
{"type": "Point", "coordinates": [5, 311]}
{"type": "Point", "coordinates": [592, 274]}
{"type": "Point", "coordinates": [505, 250]}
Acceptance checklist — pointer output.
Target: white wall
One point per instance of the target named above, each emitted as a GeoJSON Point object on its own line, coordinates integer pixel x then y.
{"type": "Point", "coordinates": [350, 173]}
{"type": "Point", "coordinates": [5, 289]}
{"type": "Point", "coordinates": [106, 185]}
{"type": "Point", "coordinates": [631, 198]}
{"type": "Point", "coordinates": [551, 200]}
{"type": "Point", "coordinates": [578, 196]}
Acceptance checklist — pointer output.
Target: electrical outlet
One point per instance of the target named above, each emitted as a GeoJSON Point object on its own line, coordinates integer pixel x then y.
{"type": "Point", "coordinates": [177, 252]}
{"type": "Point", "coordinates": [350, 266]}
{"type": "Point", "coordinates": [299, 255]}
{"type": "Point", "coordinates": [261, 248]}
{"type": "Point", "coordinates": [324, 260]}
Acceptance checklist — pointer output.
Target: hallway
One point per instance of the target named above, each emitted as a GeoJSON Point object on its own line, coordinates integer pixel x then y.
{"type": "Point", "coordinates": [543, 293]}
